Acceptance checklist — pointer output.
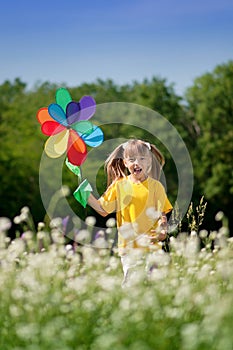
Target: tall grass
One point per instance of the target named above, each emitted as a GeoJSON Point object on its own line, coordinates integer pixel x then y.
{"type": "Point", "coordinates": [57, 295]}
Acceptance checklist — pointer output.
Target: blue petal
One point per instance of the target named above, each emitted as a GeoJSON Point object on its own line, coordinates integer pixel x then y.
{"type": "Point", "coordinates": [57, 114]}
{"type": "Point", "coordinates": [95, 138]}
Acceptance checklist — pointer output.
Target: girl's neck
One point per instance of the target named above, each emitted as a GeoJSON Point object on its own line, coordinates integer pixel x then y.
{"type": "Point", "coordinates": [137, 180]}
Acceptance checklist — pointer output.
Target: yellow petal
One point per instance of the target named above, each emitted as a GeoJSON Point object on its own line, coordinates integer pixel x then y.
{"type": "Point", "coordinates": [56, 145]}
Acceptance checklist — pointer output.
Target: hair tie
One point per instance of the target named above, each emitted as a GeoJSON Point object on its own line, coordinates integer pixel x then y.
{"type": "Point", "coordinates": [147, 144]}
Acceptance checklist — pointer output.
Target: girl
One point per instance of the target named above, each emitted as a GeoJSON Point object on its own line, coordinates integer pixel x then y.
{"type": "Point", "coordinates": [136, 195]}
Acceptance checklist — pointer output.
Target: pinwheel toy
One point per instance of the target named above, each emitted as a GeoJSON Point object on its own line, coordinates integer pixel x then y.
{"type": "Point", "coordinates": [67, 123]}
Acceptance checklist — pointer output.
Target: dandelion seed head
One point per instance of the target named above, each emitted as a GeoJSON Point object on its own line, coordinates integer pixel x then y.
{"type": "Point", "coordinates": [57, 236]}
{"type": "Point", "coordinates": [25, 210]}
{"type": "Point", "coordinates": [108, 283]}
{"type": "Point", "coordinates": [83, 236]}
{"type": "Point", "coordinates": [40, 226]}
{"type": "Point", "coordinates": [219, 216]}
{"type": "Point", "coordinates": [17, 220]}
{"type": "Point", "coordinates": [203, 234]}
{"type": "Point", "coordinates": [190, 337]}
{"type": "Point", "coordinates": [56, 223]}
{"type": "Point", "coordinates": [27, 331]}
{"type": "Point", "coordinates": [108, 231]}
{"type": "Point", "coordinates": [100, 242]}
{"type": "Point", "coordinates": [15, 249]}
{"type": "Point", "coordinates": [125, 304]}
{"type": "Point", "coordinates": [90, 221]}
{"type": "Point", "coordinates": [212, 235]}
{"type": "Point", "coordinates": [111, 222]}
{"type": "Point", "coordinates": [27, 235]}
{"type": "Point", "coordinates": [153, 214]}
{"type": "Point", "coordinates": [24, 217]}
{"type": "Point", "coordinates": [127, 231]}
{"type": "Point", "coordinates": [5, 224]}
{"type": "Point", "coordinates": [143, 240]}
{"type": "Point", "coordinates": [68, 247]}
{"type": "Point", "coordinates": [41, 235]}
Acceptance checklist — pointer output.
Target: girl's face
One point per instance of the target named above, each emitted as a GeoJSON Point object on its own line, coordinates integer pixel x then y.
{"type": "Point", "coordinates": [138, 162]}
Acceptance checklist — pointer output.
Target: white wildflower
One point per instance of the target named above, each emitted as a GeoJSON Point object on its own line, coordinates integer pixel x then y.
{"type": "Point", "coordinates": [153, 214]}
{"type": "Point", "coordinates": [17, 220]}
{"type": "Point", "coordinates": [127, 231]}
{"type": "Point", "coordinates": [83, 236]}
{"type": "Point", "coordinates": [203, 234]}
{"type": "Point", "coordinates": [100, 242]}
{"type": "Point", "coordinates": [55, 223]}
{"type": "Point", "coordinates": [5, 224]}
{"type": "Point", "coordinates": [41, 235]}
{"type": "Point", "coordinates": [40, 226]}
{"type": "Point", "coordinates": [90, 221]}
{"type": "Point", "coordinates": [143, 240]}
{"type": "Point", "coordinates": [111, 222]}
{"type": "Point", "coordinates": [219, 216]}
{"type": "Point", "coordinates": [25, 210]}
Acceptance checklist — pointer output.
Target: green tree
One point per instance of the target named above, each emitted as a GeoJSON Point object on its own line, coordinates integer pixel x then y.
{"type": "Point", "coordinates": [210, 108]}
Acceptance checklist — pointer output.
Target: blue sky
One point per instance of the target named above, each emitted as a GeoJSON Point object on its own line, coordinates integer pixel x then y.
{"type": "Point", "coordinates": [77, 41]}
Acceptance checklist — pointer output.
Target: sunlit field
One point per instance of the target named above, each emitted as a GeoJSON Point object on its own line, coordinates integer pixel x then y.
{"type": "Point", "coordinates": [61, 295]}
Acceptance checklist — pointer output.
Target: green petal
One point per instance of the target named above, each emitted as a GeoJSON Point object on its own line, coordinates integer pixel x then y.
{"type": "Point", "coordinates": [63, 98]}
{"type": "Point", "coordinates": [82, 193]}
{"type": "Point", "coordinates": [74, 168]}
{"type": "Point", "coordinates": [83, 127]}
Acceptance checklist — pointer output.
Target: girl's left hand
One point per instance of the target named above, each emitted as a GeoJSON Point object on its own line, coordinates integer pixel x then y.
{"type": "Point", "coordinates": [158, 236]}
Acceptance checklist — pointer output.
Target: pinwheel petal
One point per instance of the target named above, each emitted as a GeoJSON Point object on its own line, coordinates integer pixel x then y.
{"type": "Point", "coordinates": [56, 145]}
{"type": "Point", "coordinates": [74, 168]}
{"type": "Point", "coordinates": [43, 115]}
{"type": "Point", "coordinates": [83, 127]}
{"type": "Point", "coordinates": [57, 114]}
{"type": "Point", "coordinates": [88, 107]}
{"type": "Point", "coordinates": [82, 193]}
{"type": "Point", "coordinates": [95, 138]}
{"type": "Point", "coordinates": [51, 128]}
{"type": "Point", "coordinates": [63, 98]}
{"type": "Point", "coordinates": [73, 112]}
{"type": "Point", "coordinates": [77, 150]}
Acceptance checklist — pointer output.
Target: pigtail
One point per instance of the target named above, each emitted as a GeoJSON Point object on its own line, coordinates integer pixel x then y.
{"type": "Point", "coordinates": [114, 165]}
{"type": "Point", "coordinates": [158, 162]}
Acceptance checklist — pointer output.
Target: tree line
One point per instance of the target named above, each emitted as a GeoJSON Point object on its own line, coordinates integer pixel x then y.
{"type": "Point", "coordinates": [203, 117]}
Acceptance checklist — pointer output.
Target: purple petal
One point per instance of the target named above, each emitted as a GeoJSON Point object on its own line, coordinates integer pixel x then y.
{"type": "Point", "coordinates": [73, 112]}
{"type": "Point", "coordinates": [88, 107]}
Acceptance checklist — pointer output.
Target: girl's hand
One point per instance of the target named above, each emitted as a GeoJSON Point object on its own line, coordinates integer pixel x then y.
{"type": "Point", "coordinates": [162, 235]}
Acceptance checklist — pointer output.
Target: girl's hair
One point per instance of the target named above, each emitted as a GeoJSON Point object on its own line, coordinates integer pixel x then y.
{"type": "Point", "coordinates": [114, 164]}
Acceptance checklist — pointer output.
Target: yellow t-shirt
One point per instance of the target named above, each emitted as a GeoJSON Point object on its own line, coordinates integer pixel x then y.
{"type": "Point", "coordinates": [136, 206]}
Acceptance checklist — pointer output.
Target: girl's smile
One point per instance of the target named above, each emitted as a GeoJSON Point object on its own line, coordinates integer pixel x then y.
{"type": "Point", "coordinates": [137, 167]}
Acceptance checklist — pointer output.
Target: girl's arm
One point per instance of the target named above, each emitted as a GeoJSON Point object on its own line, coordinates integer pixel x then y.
{"type": "Point", "coordinates": [93, 202]}
{"type": "Point", "coordinates": [163, 227]}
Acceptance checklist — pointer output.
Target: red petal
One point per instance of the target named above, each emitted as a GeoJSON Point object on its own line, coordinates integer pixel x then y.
{"type": "Point", "coordinates": [77, 150]}
{"type": "Point", "coordinates": [51, 128]}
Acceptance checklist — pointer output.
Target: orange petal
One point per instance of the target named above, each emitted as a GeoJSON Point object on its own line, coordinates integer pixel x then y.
{"type": "Point", "coordinates": [76, 141]}
{"type": "Point", "coordinates": [43, 115]}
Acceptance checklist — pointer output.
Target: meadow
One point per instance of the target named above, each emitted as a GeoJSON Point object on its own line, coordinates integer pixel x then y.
{"type": "Point", "coordinates": [58, 295]}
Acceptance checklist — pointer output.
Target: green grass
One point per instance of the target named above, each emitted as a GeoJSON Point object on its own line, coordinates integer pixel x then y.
{"type": "Point", "coordinates": [55, 297]}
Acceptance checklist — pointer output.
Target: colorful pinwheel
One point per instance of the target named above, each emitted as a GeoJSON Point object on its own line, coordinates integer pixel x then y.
{"type": "Point", "coordinates": [66, 122]}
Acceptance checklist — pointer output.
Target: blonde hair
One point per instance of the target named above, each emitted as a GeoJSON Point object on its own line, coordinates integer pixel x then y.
{"type": "Point", "coordinates": [114, 164]}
